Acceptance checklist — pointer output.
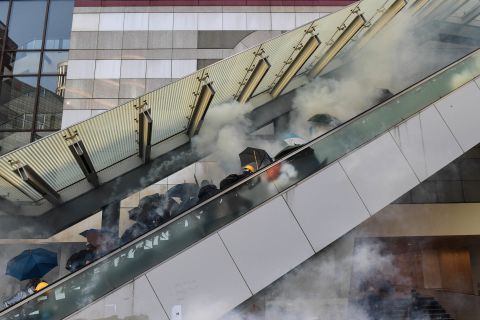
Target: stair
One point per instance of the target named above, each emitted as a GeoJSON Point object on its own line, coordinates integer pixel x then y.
{"type": "Point", "coordinates": [428, 308]}
{"type": "Point", "coordinates": [415, 307]}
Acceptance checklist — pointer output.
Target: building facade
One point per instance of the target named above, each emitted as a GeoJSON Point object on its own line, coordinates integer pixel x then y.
{"type": "Point", "coordinates": [120, 52]}
{"type": "Point", "coordinates": [380, 217]}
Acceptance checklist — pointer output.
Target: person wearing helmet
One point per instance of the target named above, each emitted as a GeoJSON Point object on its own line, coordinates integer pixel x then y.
{"type": "Point", "coordinates": [249, 168]}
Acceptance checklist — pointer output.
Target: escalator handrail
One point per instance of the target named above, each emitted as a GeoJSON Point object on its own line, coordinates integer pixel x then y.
{"type": "Point", "coordinates": [241, 182]}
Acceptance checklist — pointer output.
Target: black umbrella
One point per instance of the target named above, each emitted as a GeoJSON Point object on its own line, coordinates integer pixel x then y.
{"type": "Point", "coordinates": [102, 232]}
{"type": "Point", "coordinates": [134, 231]}
{"type": "Point", "coordinates": [153, 210]}
{"type": "Point", "coordinates": [79, 259]}
{"type": "Point", "coordinates": [324, 119]}
{"type": "Point", "coordinates": [383, 95]}
{"type": "Point", "coordinates": [257, 157]}
{"type": "Point", "coordinates": [146, 203]}
{"type": "Point", "coordinates": [183, 191]}
{"type": "Point", "coordinates": [286, 150]}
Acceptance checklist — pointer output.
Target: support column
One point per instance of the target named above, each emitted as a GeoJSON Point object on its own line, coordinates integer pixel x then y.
{"type": "Point", "coordinates": [281, 124]}
{"type": "Point", "coordinates": [111, 217]}
{"type": "Point", "coordinates": [8, 207]}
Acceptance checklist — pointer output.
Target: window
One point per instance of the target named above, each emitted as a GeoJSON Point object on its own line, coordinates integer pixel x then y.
{"type": "Point", "coordinates": [3, 12]}
{"type": "Point", "coordinates": [10, 141]}
{"type": "Point", "coordinates": [25, 27]}
{"type": "Point", "coordinates": [53, 61]}
{"type": "Point", "coordinates": [17, 102]}
{"type": "Point", "coordinates": [50, 103]}
{"type": "Point", "coordinates": [33, 68]}
{"type": "Point", "coordinates": [23, 62]}
{"type": "Point", "coordinates": [59, 24]}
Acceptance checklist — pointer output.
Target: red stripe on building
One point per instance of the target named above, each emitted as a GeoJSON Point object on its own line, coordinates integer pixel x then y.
{"type": "Point", "coordinates": [147, 3]}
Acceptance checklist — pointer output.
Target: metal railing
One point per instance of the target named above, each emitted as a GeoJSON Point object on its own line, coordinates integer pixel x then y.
{"type": "Point", "coordinates": [137, 257]}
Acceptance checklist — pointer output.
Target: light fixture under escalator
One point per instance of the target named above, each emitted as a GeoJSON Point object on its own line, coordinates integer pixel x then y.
{"type": "Point", "coordinates": [308, 49]}
{"type": "Point", "coordinates": [256, 77]}
{"type": "Point", "coordinates": [200, 109]}
{"type": "Point", "coordinates": [386, 17]}
{"type": "Point", "coordinates": [342, 40]}
{"type": "Point", "coordinates": [34, 180]}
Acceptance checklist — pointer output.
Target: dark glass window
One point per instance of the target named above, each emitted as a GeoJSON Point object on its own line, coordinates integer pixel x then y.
{"type": "Point", "coordinates": [53, 61]}
{"type": "Point", "coordinates": [26, 23]}
{"type": "Point", "coordinates": [32, 68]}
{"type": "Point", "coordinates": [10, 141]}
{"type": "Point", "coordinates": [23, 62]}
{"type": "Point", "coordinates": [41, 134]}
{"type": "Point", "coordinates": [8, 61]}
{"type": "Point", "coordinates": [3, 12]}
{"type": "Point", "coordinates": [17, 101]}
{"type": "Point", "coordinates": [59, 24]}
{"type": "Point", "coordinates": [50, 103]}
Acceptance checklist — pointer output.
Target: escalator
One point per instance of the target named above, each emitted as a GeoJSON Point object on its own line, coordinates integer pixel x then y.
{"type": "Point", "coordinates": [347, 175]}
{"type": "Point", "coordinates": [217, 250]}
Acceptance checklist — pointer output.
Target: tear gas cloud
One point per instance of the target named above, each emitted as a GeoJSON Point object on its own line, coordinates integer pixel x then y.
{"type": "Point", "coordinates": [225, 133]}
{"type": "Point", "coordinates": [319, 288]}
{"type": "Point", "coordinates": [395, 59]}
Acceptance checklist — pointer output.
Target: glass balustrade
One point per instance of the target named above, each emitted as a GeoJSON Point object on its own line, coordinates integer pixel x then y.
{"type": "Point", "coordinates": [112, 271]}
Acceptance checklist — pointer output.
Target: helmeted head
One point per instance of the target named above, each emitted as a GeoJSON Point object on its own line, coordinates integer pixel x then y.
{"type": "Point", "coordinates": [249, 168]}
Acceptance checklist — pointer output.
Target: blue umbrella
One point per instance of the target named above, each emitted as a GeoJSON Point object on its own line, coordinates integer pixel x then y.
{"type": "Point", "coordinates": [291, 139]}
{"type": "Point", "coordinates": [32, 264]}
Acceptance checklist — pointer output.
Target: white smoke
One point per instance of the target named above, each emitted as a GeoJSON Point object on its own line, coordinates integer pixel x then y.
{"type": "Point", "coordinates": [286, 174]}
{"type": "Point", "coordinates": [225, 133]}
{"type": "Point", "coordinates": [321, 287]}
{"type": "Point", "coordinates": [134, 317]}
{"type": "Point", "coordinates": [397, 57]}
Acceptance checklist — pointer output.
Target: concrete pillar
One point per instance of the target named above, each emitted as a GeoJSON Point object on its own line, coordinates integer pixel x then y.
{"type": "Point", "coordinates": [111, 217]}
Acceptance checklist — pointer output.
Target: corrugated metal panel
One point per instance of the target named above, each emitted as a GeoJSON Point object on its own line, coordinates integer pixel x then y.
{"type": "Point", "coordinates": [170, 107]}
{"type": "Point", "coordinates": [228, 75]}
{"type": "Point", "coordinates": [279, 51]}
{"type": "Point", "coordinates": [52, 160]}
{"type": "Point", "coordinates": [8, 191]}
{"type": "Point", "coordinates": [112, 136]}
{"type": "Point", "coordinates": [328, 32]}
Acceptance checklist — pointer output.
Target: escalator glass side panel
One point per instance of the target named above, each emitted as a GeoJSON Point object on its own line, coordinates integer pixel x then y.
{"type": "Point", "coordinates": [98, 279]}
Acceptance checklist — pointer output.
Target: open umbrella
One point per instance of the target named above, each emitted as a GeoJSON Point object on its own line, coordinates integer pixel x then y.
{"type": "Point", "coordinates": [258, 157]}
{"type": "Point", "coordinates": [152, 206]}
{"type": "Point", "coordinates": [287, 150]}
{"type": "Point", "coordinates": [147, 203]}
{"type": "Point", "coordinates": [293, 140]}
{"type": "Point", "coordinates": [183, 191]}
{"type": "Point", "coordinates": [32, 264]}
{"type": "Point", "coordinates": [85, 233]}
{"type": "Point", "coordinates": [79, 259]}
{"type": "Point", "coordinates": [383, 95]}
{"type": "Point", "coordinates": [323, 119]}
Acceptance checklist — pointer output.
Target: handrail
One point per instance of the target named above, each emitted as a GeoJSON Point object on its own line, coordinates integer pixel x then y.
{"type": "Point", "coordinates": [242, 182]}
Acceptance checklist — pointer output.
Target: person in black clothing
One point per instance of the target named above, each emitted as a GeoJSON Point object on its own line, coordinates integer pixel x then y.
{"type": "Point", "coordinates": [80, 259]}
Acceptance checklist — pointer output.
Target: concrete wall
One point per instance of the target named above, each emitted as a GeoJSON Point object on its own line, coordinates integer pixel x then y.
{"type": "Point", "coordinates": [457, 182]}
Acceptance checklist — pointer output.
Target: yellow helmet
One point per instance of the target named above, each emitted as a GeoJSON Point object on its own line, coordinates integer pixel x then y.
{"type": "Point", "coordinates": [249, 168]}
{"type": "Point", "coordinates": [40, 286]}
